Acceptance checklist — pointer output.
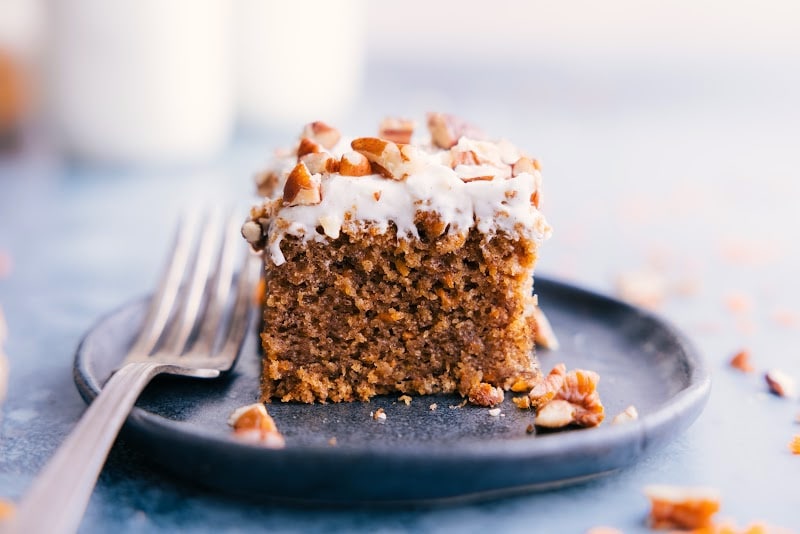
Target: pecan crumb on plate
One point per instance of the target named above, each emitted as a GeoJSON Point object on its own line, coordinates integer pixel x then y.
{"type": "Point", "coordinates": [253, 423]}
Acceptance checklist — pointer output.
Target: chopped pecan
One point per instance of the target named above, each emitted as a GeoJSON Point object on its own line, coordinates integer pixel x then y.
{"type": "Point", "coordinates": [484, 394]}
{"type": "Point", "coordinates": [543, 336]}
{"type": "Point", "coordinates": [546, 390]}
{"type": "Point", "coordinates": [252, 233]}
{"type": "Point", "coordinates": [446, 130]}
{"type": "Point", "coordinates": [482, 178]}
{"type": "Point", "coordinates": [396, 130]}
{"type": "Point", "coordinates": [741, 361]}
{"type": "Point", "coordinates": [253, 423]}
{"type": "Point", "coordinates": [580, 389]}
{"type": "Point", "coordinates": [463, 157]}
{"type": "Point", "coordinates": [354, 164]}
{"type": "Point", "coordinates": [320, 163]}
{"type": "Point", "coordinates": [306, 146]}
{"type": "Point", "coordinates": [556, 414]}
{"type": "Point", "coordinates": [322, 133]}
{"type": "Point", "coordinates": [302, 188]}
{"type": "Point", "coordinates": [266, 182]}
{"type": "Point", "coordinates": [387, 158]}
{"type": "Point", "coordinates": [682, 508]}
{"type": "Point", "coordinates": [522, 165]}
{"type": "Point", "coordinates": [794, 445]}
{"type": "Point", "coordinates": [780, 383]}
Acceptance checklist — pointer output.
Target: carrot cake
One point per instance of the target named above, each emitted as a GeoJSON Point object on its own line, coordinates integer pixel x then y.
{"type": "Point", "coordinates": [398, 263]}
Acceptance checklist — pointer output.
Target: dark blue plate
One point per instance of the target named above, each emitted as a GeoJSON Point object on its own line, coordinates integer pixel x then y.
{"type": "Point", "coordinates": [417, 454]}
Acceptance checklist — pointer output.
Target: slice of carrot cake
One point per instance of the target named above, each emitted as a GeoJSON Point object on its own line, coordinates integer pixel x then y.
{"type": "Point", "coordinates": [394, 266]}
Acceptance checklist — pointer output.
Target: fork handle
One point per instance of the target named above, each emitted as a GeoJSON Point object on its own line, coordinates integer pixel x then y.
{"type": "Point", "coordinates": [58, 497]}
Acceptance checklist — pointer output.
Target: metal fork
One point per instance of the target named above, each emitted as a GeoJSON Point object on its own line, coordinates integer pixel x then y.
{"type": "Point", "coordinates": [190, 329]}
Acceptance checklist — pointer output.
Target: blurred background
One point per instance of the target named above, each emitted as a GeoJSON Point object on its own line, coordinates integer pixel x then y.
{"type": "Point", "coordinates": [669, 134]}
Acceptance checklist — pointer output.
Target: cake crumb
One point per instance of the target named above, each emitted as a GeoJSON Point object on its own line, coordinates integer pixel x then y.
{"type": "Point", "coordinates": [253, 423]}
{"type": "Point", "coordinates": [794, 445]}
{"type": "Point", "coordinates": [378, 415]}
{"type": "Point", "coordinates": [484, 394]}
{"type": "Point", "coordinates": [780, 383]}
{"type": "Point", "coordinates": [523, 403]}
{"type": "Point", "coordinates": [530, 429]}
{"type": "Point", "coordinates": [459, 405]}
{"type": "Point", "coordinates": [406, 399]}
{"type": "Point", "coordinates": [332, 441]}
{"type": "Point", "coordinates": [681, 507]}
{"type": "Point", "coordinates": [741, 361]}
{"type": "Point", "coordinates": [494, 412]}
{"type": "Point", "coordinates": [433, 407]}
{"type": "Point", "coordinates": [628, 414]}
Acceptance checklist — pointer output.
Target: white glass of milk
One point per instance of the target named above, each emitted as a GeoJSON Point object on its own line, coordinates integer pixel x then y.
{"type": "Point", "coordinates": [298, 61]}
{"type": "Point", "coordinates": [141, 81]}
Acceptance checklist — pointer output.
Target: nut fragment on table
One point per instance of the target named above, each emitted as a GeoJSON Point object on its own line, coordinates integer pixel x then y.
{"type": "Point", "coordinates": [681, 507]}
{"type": "Point", "coordinates": [405, 399]}
{"type": "Point", "coordinates": [378, 415]}
{"type": "Point", "coordinates": [794, 445]}
{"type": "Point", "coordinates": [741, 361]}
{"type": "Point", "coordinates": [780, 383]}
{"type": "Point", "coordinates": [6, 510]}
{"type": "Point", "coordinates": [628, 414]}
{"type": "Point", "coordinates": [253, 423]}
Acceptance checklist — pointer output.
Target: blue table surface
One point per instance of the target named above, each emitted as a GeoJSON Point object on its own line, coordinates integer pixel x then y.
{"type": "Point", "coordinates": [689, 173]}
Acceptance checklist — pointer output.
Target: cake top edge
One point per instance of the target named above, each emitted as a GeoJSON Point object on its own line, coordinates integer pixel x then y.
{"type": "Point", "coordinates": [455, 172]}
{"type": "Point", "coordinates": [395, 153]}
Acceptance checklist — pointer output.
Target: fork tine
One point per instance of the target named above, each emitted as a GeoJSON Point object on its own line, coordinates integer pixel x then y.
{"type": "Point", "coordinates": [220, 288]}
{"type": "Point", "coordinates": [188, 309]}
{"type": "Point", "coordinates": [162, 301]}
{"type": "Point", "coordinates": [240, 315]}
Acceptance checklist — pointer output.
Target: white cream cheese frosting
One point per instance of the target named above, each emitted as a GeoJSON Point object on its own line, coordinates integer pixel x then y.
{"type": "Point", "coordinates": [489, 186]}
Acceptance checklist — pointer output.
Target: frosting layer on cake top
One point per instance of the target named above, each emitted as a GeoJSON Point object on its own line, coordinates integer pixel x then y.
{"type": "Point", "coordinates": [452, 180]}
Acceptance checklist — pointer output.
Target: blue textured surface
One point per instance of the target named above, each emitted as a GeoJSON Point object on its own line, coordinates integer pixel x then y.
{"type": "Point", "coordinates": [692, 173]}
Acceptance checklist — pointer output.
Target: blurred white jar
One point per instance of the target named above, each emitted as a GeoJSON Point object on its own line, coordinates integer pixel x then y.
{"type": "Point", "coordinates": [141, 81]}
{"type": "Point", "coordinates": [298, 61]}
